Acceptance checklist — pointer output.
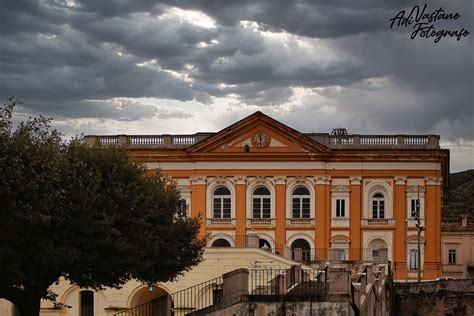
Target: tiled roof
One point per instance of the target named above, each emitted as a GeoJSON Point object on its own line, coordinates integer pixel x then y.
{"type": "Point", "coordinates": [457, 227]}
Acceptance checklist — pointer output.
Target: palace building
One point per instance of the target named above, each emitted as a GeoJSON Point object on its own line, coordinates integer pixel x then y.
{"type": "Point", "coordinates": [307, 196]}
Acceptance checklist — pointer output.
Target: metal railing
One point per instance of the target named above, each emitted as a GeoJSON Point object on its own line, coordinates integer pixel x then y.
{"type": "Point", "coordinates": [339, 254]}
{"type": "Point", "coordinates": [293, 281]}
{"type": "Point", "coordinates": [198, 297]}
{"type": "Point", "coordinates": [146, 309]}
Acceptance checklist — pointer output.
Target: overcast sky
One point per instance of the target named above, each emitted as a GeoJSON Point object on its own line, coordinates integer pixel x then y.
{"type": "Point", "coordinates": [150, 67]}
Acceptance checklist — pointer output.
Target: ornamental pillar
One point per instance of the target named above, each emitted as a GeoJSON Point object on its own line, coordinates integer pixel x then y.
{"type": "Point", "coordinates": [198, 200]}
{"type": "Point", "coordinates": [355, 201]}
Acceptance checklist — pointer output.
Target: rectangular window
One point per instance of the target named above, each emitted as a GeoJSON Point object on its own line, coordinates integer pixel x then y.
{"type": "Point", "coordinates": [340, 208]}
{"type": "Point", "coordinates": [296, 207]}
{"type": "Point", "coordinates": [256, 208]}
{"type": "Point", "coordinates": [414, 259]}
{"type": "Point", "coordinates": [375, 209]}
{"type": "Point", "coordinates": [266, 208]}
{"type": "Point", "coordinates": [306, 208]}
{"type": "Point", "coordinates": [261, 207]}
{"type": "Point", "coordinates": [452, 256]}
{"type": "Point", "coordinates": [382, 209]}
{"type": "Point", "coordinates": [217, 208]}
{"type": "Point", "coordinates": [226, 208]}
{"type": "Point", "coordinates": [413, 207]}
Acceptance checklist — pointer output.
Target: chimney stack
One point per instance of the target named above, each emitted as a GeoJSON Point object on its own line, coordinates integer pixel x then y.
{"type": "Point", "coordinates": [464, 218]}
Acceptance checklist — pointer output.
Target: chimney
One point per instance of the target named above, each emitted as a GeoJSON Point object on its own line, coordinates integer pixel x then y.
{"type": "Point", "coordinates": [464, 218]}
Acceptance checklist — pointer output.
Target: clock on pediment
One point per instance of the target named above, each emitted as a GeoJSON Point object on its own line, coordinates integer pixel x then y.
{"type": "Point", "coordinates": [260, 139]}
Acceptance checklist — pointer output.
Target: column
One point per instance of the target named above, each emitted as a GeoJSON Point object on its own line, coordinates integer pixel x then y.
{"type": "Point", "coordinates": [198, 201]}
{"type": "Point", "coordinates": [240, 207]}
{"type": "Point", "coordinates": [280, 211]}
{"type": "Point", "coordinates": [399, 238]}
{"type": "Point", "coordinates": [322, 214]}
{"type": "Point", "coordinates": [328, 212]}
{"type": "Point", "coordinates": [355, 213]}
{"type": "Point", "coordinates": [432, 262]}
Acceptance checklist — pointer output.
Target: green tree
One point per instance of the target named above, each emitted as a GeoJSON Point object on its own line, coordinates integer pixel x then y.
{"type": "Point", "coordinates": [85, 213]}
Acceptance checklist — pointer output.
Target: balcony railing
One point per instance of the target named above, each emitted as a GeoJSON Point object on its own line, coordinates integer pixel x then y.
{"type": "Point", "coordinates": [350, 141]}
{"type": "Point", "coordinates": [260, 221]}
{"type": "Point", "coordinates": [378, 221]}
{"type": "Point", "coordinates": [340, 222]}
{"type": "Point", "coordinates": [300, 221]}
{"type": "Point", "coordinates": [220, 222]}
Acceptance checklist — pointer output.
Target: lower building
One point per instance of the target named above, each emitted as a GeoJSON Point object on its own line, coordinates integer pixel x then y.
{"type": "Point", "coordinates": [457, 249]}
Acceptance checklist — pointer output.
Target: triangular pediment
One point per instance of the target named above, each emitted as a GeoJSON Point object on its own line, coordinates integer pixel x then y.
{"type": "Point", "coordinates": [258, 133]}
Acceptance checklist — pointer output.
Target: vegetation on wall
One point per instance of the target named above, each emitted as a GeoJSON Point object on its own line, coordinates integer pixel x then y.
{"type": "Point", "coordinates": [459, 197]}
{"type": "Point", "coordinates": [83, 213]}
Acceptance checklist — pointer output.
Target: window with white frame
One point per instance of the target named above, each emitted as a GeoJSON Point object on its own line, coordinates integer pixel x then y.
{"type": "Point", "coordinates": [378, 205]}
{"type": "Point", "coordinates": [301, 203]}
{"type": "Point", "coordinates": [221, 203]}
{"type": "Point", "coordinates": [340, 208]}
{"type": "Point", "coordinates": [261, 203]}
{"type": "Point", "coordinates": [413, 259]}
{"type": "Point", "coordinates": [452, 256]}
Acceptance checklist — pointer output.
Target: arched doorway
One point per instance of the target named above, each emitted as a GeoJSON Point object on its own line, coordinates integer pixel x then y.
{"type": "Point", "coordinates": [154, 301]}
{"type": "Point", "coordinates": [264, 244]}
{"type": "Point", "coordinates": [221, 242]}
{"type": "Point", "coordinates": [301, 250]}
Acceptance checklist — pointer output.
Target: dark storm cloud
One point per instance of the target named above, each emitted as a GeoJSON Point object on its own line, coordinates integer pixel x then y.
{"type": "Point", "coordinates": [57, 56]}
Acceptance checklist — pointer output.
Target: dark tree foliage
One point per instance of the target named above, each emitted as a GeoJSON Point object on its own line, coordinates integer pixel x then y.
{"type": "Point", "coordinates": [459, 197]}
{"type": "Point", "coordinates": [85, 213]}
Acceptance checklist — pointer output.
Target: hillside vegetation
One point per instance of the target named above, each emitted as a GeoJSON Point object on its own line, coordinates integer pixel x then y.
{"type": "Point", "coordinates": [459, 197]}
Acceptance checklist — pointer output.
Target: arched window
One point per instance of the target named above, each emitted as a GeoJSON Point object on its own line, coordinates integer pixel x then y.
{"type": "Point", "coordinates": [378, 205]}
{"type": "Point", "coordinates": [301, 250]}
{"type": "Point", "coordinates": [221, 242]}
{"type": "Point", "coordinates": [261, 203]}
{"type": "Point", "coordinates": [301, 203]}
{"type": "Point", "coordinates": [221, 203]}
{"type": "Point", "coordinates": [87, 303]}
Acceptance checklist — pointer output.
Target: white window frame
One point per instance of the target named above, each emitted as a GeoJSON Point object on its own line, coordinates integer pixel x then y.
{"type": "Point", "coordinates": [252, 184]}
{"type": "Point", "coordinates": [212, 185]}
{"type": "Point", "coordinates": [292, 184]}
{"type": "Point", "coordinates": [412, 194]}
{"type": "Point", "coordinates": [455, 251]}
{"type": "Point", "coordinates": [340, 193]}
{"type": "Point", "coordinates": [378, 200]}
{"type": "Point", "coordinates": [301, 199]}
{"type": "Point", "coordinates": [221, 199]}
{"type": "Point", "coordinates": [186, 196]}
{"type": "Point", "coordinates": [413, 255]}
{"type": "Point", "coordinates": [412, 244]}
{"type": "Point", "coordinates": [371, 187]}
{"type": "Point", "coordinates": [262, 199]}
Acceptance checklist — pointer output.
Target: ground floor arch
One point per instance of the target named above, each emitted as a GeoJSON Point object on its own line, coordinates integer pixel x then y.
{"type": "Point", "coordinates": [152, 300]}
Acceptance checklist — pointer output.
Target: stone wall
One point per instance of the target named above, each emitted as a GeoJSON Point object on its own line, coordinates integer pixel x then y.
{"type": "Point", "coordinates": [285, 308]}
{"type": "Point", "coordinates": [454, 297]}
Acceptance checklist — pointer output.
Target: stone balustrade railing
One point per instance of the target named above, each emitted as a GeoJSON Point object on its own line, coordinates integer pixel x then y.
{"type": "Point", "coordinates": [353, 141]}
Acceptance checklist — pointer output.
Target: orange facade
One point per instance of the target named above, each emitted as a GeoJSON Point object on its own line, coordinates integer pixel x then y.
{"type": "Point", "coordinates": [306, 195]}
